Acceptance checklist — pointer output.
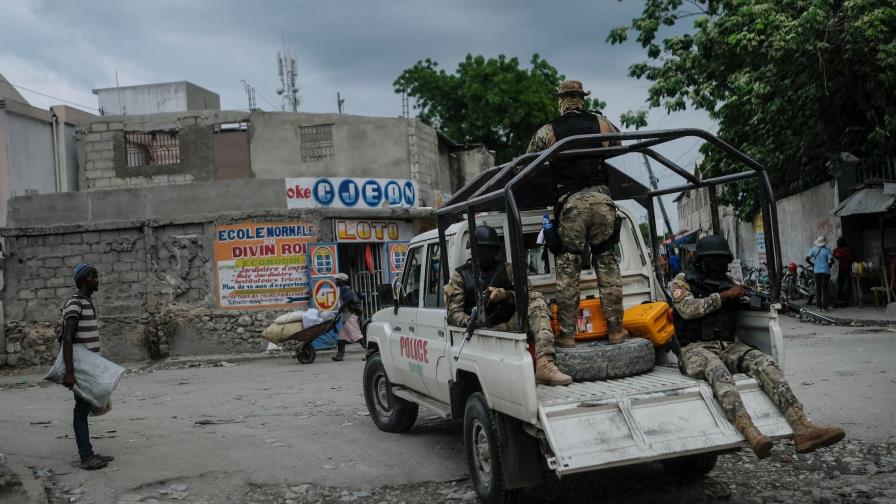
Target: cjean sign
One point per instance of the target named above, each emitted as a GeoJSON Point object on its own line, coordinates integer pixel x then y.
{"type": "Point", "coordinates": [339, 192]}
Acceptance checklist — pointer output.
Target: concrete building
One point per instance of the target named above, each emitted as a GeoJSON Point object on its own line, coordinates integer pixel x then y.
{"type": "Point", "coordinates": [156, 98]}
{"type": "Point", "coordinates": [37, 148]}
{"type": "Point", "coordinates": [207, 224]}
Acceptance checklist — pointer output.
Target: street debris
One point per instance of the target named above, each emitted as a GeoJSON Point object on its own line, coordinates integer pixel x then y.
{"type": "Point", "coordinates": [217, 421]}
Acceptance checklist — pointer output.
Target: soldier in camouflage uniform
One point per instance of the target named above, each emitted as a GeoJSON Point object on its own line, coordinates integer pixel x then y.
{"type": "Point", "coordinates": [496, 277]}
{"type": "Point", "coordinates": [706, 301]}
{"type": "Point", "coordinates": [588, 216]}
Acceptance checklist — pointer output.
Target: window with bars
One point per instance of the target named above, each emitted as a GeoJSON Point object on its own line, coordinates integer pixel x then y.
{"type": "Point", "coordinates": [317, 142]}
{"type": "Point", "coordinates": [153, 148]}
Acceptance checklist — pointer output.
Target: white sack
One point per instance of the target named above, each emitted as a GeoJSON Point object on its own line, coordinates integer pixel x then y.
{"type": "Point", "coordinates": [95, 376]}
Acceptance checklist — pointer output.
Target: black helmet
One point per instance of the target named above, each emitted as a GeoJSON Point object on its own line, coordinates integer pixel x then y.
{"type": "Point", "coordinates": [486, 236]}
{"type": "Point", "coordinates": [713, 245]}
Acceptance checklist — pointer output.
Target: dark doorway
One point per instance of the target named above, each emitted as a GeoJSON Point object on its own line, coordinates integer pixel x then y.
{"type": "Point", "coordinates": [355, 260]}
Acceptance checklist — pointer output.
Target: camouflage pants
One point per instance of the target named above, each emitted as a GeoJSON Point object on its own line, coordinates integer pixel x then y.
{"type": "Point", "coordinates": [714, 361]}
{"type": "Point", "coordinates": [588, 218]}
{"type": "Point", "coordinates": [539, 323]}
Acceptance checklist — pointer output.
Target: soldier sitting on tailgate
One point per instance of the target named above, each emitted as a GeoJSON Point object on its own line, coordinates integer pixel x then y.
{"type": "Point", "coordinates": [497, 278]}
{"type": "Point", "coordinates": [706, 303]}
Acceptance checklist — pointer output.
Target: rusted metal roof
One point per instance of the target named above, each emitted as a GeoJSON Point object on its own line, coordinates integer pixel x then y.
{"type": "Point", "coordinates": [871, 200]}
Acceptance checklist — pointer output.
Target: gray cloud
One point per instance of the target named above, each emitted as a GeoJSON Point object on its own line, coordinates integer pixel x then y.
{"type": "Point", "coordinates": [358, 48]}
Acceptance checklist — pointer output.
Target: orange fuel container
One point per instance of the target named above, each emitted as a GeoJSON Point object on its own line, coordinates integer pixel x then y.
{"type": "Point", "coordinates": [649, 320]}
{"type": "Point", "coordinates": [590, 322]}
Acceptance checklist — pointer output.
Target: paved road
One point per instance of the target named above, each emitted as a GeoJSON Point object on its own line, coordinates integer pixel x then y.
{"type": "Point", "coordinates": [291, 424]}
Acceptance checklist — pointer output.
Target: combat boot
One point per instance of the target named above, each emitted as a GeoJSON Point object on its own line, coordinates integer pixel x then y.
{"type": "Point", "coordinates": [759, 442]}
{"type": "Point", "coordinates": [546, 372]}
{"type": "Point", "coordinates": [340, 351]}
{"type": "Point", "coordinates": [615, 332]}
{"type": "Point", "coordinates": [808, 436]}
{"type": "Point", "coordinates": [564, 342]}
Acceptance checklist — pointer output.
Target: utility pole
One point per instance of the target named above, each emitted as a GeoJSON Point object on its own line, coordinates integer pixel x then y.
{"type": "Point", "coordinates": [653, 183]}
{"type": "Point", "coordinates": [339, 101]}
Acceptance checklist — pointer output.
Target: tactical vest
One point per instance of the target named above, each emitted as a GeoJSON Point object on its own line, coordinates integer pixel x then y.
{"type": "Point", "coordinates": [719, 325]}
{"type": "Point", "coordinates": [496, 277]}
{"type": "Point", "coordinates": [575, 174]}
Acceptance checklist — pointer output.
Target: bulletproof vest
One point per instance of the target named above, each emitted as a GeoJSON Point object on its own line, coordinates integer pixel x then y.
{"type": "Point", "coordinates": [495, 277]}
{"type": "Point", "coordinates": [716, 326]}
{"type": "Point", "coordinates": [576, 174]}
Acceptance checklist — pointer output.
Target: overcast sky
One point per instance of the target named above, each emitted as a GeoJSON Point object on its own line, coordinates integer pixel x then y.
{"type": "Point", "coordinates": [66, 49]}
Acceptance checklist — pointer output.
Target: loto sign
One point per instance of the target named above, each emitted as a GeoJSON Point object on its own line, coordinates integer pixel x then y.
{"type": "Point", "coordinates": [371, 230]}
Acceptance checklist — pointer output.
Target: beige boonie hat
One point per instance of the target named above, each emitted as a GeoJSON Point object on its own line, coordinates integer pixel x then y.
{"type": "Point", "coordinates": [571, 88]}
{"type": "Point", "coordinates": [342, 276]}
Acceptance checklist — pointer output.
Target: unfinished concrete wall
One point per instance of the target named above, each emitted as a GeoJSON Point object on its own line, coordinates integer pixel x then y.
{"type": "Point", "coordinates": [102, 146]}
{"type": "Point", "coordinates": [472, 162]}
{"type": "Point", "coordinates": [154, 248]}
{"type": "Point", "coordinates": [372, 146]}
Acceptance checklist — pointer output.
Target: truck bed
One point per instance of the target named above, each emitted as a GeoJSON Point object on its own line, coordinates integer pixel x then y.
{"type": "Point", "coordinates": [651, 416]}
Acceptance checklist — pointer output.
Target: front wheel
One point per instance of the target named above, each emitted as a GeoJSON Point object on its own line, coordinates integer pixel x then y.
{"type": "Point", "coordinates": [483, 448]}
{"type": "Point", "coordinates": [389, 413]}
{"type": "Point", "coordinates": [306, 353]}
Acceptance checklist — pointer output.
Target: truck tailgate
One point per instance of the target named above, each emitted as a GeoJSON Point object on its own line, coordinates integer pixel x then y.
{"type": "Point", "coordinates": [655, 415]}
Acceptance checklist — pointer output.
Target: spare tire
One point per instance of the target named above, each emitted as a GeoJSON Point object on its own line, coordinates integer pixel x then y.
{"type": "Point", "coordinates": [598, 360]}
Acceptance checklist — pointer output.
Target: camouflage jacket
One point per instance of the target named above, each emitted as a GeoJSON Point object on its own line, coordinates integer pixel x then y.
{"type": "Point", "coordinates": [454, 298]}
{"type": "Point", "coordinates": [688, 306]}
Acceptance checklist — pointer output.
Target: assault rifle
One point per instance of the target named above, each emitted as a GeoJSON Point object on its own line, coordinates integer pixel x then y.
{"type": "Point", "coordinates": [757, 297]}
{"type": "Point", "coordinates": [474, 323]}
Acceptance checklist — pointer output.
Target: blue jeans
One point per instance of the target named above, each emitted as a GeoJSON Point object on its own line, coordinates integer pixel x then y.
{"type": "Point", "coordinates": [82, 430]}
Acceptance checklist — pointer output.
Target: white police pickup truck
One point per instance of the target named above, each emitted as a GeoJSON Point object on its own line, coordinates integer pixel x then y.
{"type": "Point", "coordinates": [515, 431]}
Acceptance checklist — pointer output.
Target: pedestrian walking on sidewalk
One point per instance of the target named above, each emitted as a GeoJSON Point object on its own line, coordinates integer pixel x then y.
{"type": "Point", "coordinates": [843, 255]}
{"type": "Point", "coordinates": [350, 308]}
{"type": "Point", "coordinates": [80, 328]}
{"type": "Point", "coordinates": [821, 258]}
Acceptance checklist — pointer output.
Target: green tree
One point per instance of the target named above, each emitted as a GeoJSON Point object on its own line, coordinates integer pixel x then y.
{"type": "Point", "coordinates": [490, 101]}
{"type": "Point", "coordinates": [791, 82]}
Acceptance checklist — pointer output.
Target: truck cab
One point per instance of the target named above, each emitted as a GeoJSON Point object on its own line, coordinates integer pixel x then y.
{"type": "Point", "coordinates": [515, 430]}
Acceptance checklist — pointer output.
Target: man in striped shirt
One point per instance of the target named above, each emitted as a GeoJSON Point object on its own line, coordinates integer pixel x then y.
{"type": "Point", "coordinates": [80, 328]}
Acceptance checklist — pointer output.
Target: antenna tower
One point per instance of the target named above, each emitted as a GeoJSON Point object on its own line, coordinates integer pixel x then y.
{"type": "Point", "coordinates": [250, 95]}
{"type": "Point", "coordinates": [286, 67]}
{"type": "Point", "coordinates": [339, 101]}
{"type": "Point", "coordinates": [405, 106]}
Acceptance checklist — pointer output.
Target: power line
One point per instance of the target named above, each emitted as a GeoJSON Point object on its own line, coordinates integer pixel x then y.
{"type": "Point", "coordinates": [23, 88]}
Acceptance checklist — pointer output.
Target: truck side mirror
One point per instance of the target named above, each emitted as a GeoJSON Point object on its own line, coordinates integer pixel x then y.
{"type": "Point", "coordinates": [396, 293]}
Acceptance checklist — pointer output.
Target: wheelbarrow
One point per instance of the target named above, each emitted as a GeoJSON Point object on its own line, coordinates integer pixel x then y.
{"type": "Point", "coordinates": [305, 352]}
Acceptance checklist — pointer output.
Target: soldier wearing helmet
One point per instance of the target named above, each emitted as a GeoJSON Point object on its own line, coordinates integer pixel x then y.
{"type": "Point", "coordinates": [706, 304]}
{"type": "Point", "coordinates": [496, 278]}
{"type": "Point", "coordinates": [585, 215]}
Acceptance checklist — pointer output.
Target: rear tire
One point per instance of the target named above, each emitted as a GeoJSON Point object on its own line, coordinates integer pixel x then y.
{"type": "Point", "coordinates": [482, 445]}
{"type": "Point", "coordinates": [306, 353]}
{"type": "Point", "coordinates": [389, 413]}
{"type": "Point", "coordinates": [691, 466]}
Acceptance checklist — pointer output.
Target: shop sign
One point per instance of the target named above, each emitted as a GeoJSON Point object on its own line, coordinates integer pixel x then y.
{"type": "Point", "coordinates": [263, 264]}
{"type": "Point", "coordinates": [325, 294]}
{"type": "Point", "coordinates": [371, 230]}
{"type": "Point", "coordinates": [397, 253]}
{"type": "Point", "coordinates": [341, 192]}
{"type": "Point", "coordinates": [323, 259]}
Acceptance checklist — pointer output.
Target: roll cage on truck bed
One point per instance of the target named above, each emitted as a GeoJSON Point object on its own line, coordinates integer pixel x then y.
{"type": "Point", "coordinates": [514, 429]}
{"type": "Point", "coordinates": [520, 184]}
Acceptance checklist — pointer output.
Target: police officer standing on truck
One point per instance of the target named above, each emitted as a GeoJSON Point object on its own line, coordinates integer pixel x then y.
{"type": "Point", "coordinates": [495, 278]}
{"type": "Point", "coordinates": [706, 303]}
{"type": "Point", "coordinates": [585, 214]}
